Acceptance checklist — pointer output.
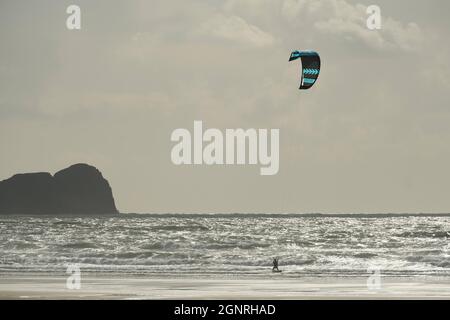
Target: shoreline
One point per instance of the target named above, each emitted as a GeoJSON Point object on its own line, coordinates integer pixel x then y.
{"type": "Point", "coordinates": [117, 286]}
{"type": "Point", "coordinates": [234, 215]}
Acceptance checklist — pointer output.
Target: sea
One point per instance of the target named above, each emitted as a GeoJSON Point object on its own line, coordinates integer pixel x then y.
{"type": "Point", "coordinates": [228, 245]}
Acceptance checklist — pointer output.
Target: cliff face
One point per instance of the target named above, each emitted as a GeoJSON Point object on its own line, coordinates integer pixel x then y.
{"type": "Point", "coordinates": [79, 189]}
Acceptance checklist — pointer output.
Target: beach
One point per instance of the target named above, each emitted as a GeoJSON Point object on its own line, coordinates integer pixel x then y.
{"type": "Point", "coordinates": [216, 257]}
{"type": "Point", "coordinates": [138, 287]}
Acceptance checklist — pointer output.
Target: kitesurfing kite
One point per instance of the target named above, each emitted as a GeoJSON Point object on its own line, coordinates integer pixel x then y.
{"type": "Point", "coordinates": [310, 67]}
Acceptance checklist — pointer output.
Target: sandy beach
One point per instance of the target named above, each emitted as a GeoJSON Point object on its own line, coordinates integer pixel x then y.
{"type": "Point", "coordinates": [147, 257]}
{"type": "Point", "coordinates": [137, 287]}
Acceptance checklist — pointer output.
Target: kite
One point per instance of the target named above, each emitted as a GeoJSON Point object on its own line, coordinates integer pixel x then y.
{"type": "Point", "coordinates": [310, 67]}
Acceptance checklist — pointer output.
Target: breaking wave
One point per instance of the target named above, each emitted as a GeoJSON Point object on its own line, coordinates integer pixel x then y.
{"type": "Point", "coordinates": [238, 244]}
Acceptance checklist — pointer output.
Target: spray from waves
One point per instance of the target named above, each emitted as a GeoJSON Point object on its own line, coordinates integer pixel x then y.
{"type": "Point", "coordinates": [425, 234]}
{"type": "Point", "coordinates": [79, 245]}
{"type": "Point", "coordinates": [227, 245]}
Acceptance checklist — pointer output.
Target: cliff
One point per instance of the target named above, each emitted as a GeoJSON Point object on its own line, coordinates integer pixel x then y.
{"type": "Point", "coordinates": [79, 189]}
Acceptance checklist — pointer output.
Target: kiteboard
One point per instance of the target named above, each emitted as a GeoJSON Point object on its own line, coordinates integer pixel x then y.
{"type": "Point", "coordinates": [277, 271]}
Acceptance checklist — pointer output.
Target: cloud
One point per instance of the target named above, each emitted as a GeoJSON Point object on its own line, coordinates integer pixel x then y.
{"type": "Point", "coordinates": [235, 28]}
{"type": "Point", "coordinates": [351, 25]}
{"type": "Point", "coordinates": [348, 21]}
{"type": "Point", "coordinates": [112, 94]}
{"type": "Point", "coordinates": [263, 23]}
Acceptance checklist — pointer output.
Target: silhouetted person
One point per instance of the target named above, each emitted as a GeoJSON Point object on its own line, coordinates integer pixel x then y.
{"type": "Point", "coordinates": [275, 264]}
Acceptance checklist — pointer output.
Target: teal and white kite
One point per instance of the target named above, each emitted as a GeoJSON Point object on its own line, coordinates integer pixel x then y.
{"type": "Point", "coordinates": [310, 67]}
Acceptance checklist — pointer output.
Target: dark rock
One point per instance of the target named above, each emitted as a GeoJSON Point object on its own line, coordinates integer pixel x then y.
{"type": "Point", "coordinates": [79, 189]}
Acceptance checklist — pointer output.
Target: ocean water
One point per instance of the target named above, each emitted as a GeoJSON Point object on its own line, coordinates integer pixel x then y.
{"type": "Point", "coordinates": [221, 245]}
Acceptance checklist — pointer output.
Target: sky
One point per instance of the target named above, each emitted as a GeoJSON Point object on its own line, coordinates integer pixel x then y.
{"type": "Point", "coordinates": [371, 136]}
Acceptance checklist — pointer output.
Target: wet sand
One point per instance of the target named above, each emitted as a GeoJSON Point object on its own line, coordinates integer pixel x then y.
{"type": "Point", "coordinates": [139, 287]}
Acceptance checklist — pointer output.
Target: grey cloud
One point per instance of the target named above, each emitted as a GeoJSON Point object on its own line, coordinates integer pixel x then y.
{"type": "Point", "coordinates": [342, 19]}
{"type": "Point", "coordinates": [234, 28]}
{"type": "Point", "coordinates": [370, 136]}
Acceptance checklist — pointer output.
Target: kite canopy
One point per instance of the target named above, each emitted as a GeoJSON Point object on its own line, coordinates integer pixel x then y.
{"type": "Point", "coordinates": [310, 67]}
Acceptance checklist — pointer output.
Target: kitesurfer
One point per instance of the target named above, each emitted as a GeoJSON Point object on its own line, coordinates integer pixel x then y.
{"type": "Point", "coordinates": [275, 264]}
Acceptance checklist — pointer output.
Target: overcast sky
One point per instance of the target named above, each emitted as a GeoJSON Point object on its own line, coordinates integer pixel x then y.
{"type": "Point", "coordinates": [372, 135]}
